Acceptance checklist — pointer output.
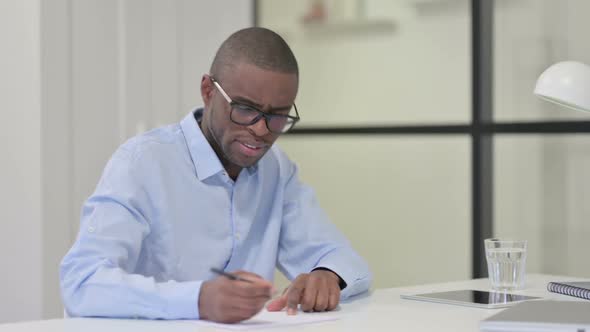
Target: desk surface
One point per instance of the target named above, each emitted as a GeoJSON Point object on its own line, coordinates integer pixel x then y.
{"type": "Point", "coordinates": [382, 310]}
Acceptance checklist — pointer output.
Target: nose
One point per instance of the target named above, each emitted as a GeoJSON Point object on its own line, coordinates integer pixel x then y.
{"type": "Point", "coordinates": [259, 128]}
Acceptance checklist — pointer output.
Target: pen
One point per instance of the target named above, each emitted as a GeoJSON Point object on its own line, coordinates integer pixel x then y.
{"type": "Point", "coordinates": [228, 275]}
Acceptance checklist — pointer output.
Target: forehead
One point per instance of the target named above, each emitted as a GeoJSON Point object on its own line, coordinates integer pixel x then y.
{"type": "Point", "coordinates": [262, 86]}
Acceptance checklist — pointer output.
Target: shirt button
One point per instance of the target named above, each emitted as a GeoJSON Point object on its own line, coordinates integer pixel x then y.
{"type": "Point", "coordinates": [237, 236]}
{"type": "Point", "coordinates": [91, 229]}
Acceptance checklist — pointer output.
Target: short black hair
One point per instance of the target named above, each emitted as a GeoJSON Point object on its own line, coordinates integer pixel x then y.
{"type": "Point", "coordinates": [261, 47]}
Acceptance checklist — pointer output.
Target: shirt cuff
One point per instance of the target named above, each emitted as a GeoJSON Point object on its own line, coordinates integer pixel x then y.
{"type": "Point", "coordinates": [352, 270]}
{"type": "Point", "coordinates": [182, 299]}
{"type": "Point", "coordinates": [341, 282]}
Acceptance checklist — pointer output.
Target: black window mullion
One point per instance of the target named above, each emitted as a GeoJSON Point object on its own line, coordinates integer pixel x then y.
{"type": "Point", "coordinates": [255, 13]}
{"type": "Point", "coordinates": [482, 140]}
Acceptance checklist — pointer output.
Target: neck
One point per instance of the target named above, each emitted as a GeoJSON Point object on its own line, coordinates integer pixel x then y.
{"type": "Point", "coordinates": [232, 170]}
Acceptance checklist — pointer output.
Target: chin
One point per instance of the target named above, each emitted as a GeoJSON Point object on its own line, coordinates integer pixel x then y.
{"type": "Point", "coordinates": [245, 161]}
{"type": "Point", "coordinates": [246, 164]}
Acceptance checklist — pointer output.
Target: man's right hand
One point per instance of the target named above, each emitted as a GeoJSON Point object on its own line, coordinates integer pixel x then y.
{"type": "Point", "coordinates": [231, 301]}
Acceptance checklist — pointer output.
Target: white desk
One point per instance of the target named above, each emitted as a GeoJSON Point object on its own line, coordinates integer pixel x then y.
{"type": "Point", "coordinates": [383, 310]}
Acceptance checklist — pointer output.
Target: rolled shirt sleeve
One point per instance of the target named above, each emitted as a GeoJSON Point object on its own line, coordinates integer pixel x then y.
{"type": "Point", "coordinates": [96, 274]}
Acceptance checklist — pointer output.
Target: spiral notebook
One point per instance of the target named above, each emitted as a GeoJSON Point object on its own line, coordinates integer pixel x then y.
{"type": "Point", "coordinates": [579, 289]}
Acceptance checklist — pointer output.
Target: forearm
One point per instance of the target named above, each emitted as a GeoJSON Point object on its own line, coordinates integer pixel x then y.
{"type": "Point", "coordinates": [111, 292]}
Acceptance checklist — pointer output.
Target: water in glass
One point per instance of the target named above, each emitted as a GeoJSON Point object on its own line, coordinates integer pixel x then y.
{"type": "Point", "coordinates": [506, 267]}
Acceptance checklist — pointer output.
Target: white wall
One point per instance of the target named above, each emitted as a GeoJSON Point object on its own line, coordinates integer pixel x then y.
{"type": "Point", "coordinates": [78, 78]}
{"type": "Point", "coordinates": [137, 65]}
{"type": "Point", "coordinates": [408, 216]}
{"type": "Point", "coordinates": [20, 145]}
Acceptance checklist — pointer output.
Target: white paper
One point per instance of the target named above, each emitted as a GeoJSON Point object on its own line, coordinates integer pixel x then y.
{"type": "Point", "coordinates": [266, 319]}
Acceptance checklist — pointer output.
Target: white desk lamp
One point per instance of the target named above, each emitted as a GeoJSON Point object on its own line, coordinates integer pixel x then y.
{"type": "Point", "coordinates": [567, 84]}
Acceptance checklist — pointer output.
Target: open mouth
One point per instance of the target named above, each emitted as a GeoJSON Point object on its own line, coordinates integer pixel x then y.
{"type": "Point", "coordinates": [253, 146]}
{"type": "Point", "coordinates": [252, 149]}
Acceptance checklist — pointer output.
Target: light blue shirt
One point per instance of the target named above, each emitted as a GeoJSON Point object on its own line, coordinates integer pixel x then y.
{"type": "Point", "coordinates": [165, 211]}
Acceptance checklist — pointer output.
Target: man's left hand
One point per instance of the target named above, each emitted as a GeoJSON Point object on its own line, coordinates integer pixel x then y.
{"type": "Point", "coordinates": [315, 291]}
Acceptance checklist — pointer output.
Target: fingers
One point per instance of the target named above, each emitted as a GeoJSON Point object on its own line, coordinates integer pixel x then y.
{"type": "Point", "coordinates": [322, 296]}
{"type": "Point", "coordinates": [333, 298]}
{"type": "Point", "coordinates": [310, 295]}
{"type": "Point", "coordinates": [241, 307]}
{"type": "Point", "coordinates": [255, 286]}
{"type": "Point", "coordinates": [254, 278]}
{"type": "Point", "coordinates": [229, 301]}
{"type": "Point", "coordinates": [295, 292]}
{"type": "Point", "coordinates": [237, 313]}
{"type": "Point", "coordinates": [317, 291]}
{"type": "Point", "coordinates": [248, 307]}
{"type": "Point", "coordinates": [277, 304]}
{"type": "Point", "coordinates": [328, 297]}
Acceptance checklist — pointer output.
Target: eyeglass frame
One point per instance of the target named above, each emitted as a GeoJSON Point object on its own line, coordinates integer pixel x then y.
{"type": "Point", "coordinates": [261, 114]}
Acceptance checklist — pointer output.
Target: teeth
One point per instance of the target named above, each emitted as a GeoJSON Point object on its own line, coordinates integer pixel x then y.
{"type": "Point", "coordinates": [251, 146]}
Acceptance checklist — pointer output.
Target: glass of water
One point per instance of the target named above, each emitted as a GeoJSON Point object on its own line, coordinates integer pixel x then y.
{"type": "Point", "coordinates": [506, 263]}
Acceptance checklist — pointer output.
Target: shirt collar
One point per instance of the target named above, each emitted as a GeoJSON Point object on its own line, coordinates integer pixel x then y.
{"type": "Point", "coordinates": [204, 157]}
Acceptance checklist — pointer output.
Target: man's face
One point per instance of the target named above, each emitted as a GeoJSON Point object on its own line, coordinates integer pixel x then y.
{"type": "Point", "coordinates": [239, 146]}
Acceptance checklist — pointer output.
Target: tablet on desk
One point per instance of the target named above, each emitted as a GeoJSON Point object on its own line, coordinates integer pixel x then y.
{"type": "Point", "coordinates": [472, 298]}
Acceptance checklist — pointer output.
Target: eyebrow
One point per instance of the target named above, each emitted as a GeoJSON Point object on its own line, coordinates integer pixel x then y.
{"type": "Point", "coordinates": [248, 102]}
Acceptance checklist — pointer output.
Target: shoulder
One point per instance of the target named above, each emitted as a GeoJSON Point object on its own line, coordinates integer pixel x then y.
{"type": "Point", "coordinates": [277, 158]}
{"type": "Point", "coordinates": [156, 144]}
{"type": "Point", "coordinates": [147, 154]}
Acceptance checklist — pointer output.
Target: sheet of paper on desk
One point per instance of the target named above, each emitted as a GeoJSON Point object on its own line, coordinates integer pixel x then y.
{"type": "Point", "coordinates": [267, 319]}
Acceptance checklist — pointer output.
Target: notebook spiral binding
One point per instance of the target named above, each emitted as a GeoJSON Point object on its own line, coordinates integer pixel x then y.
{"type": "Point", "coordinates": [556, 287]}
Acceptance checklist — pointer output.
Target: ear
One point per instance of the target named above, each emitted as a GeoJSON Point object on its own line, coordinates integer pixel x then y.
{"type": "Point", "coordinates": [206, 90]}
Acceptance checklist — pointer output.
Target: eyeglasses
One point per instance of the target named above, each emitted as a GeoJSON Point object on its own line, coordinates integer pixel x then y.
{"type": "Point", "coordinates": [247, 115]}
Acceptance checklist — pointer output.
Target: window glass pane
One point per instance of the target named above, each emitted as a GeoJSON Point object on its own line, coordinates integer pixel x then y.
{"type": "Point", "coordinates": [542, 189]}
{"type": "Point", "coordinates": [403, 202]}
{"type": "Point", "coordinates": [529, 36]}
{"type": "Point", "coordinates": [377, 62]}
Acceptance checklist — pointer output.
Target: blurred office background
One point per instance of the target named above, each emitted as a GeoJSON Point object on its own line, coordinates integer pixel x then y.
{"type": "Point", "coordinates": [386, 139]}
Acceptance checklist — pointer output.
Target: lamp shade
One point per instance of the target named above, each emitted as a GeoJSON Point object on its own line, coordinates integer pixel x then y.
{"type": "Point", "coordinates": [566, 83]}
